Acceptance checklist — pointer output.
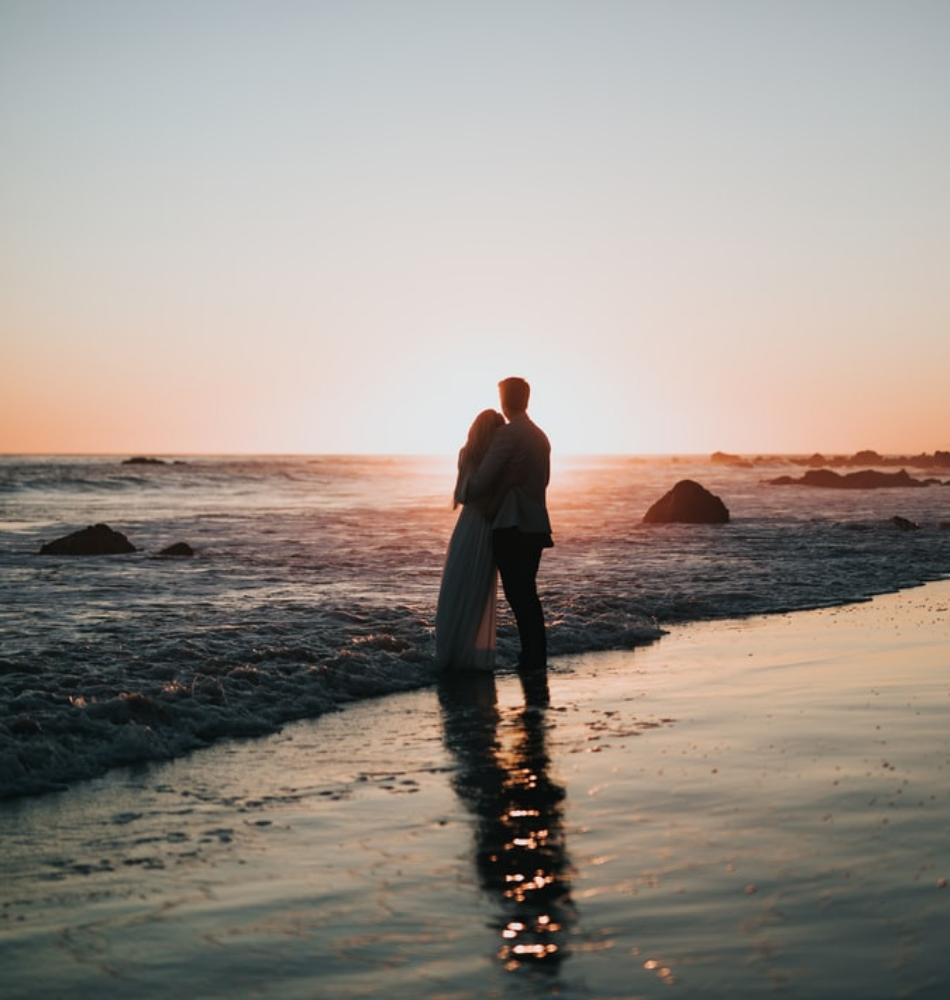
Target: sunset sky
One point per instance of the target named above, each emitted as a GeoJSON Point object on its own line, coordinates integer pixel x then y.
{"type": "Point", "coordinates": [332, 225]}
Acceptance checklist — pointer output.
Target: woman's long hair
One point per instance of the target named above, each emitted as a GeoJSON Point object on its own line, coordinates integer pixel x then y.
{"type": "Point", "coordinates": [480, 434]}
{"type": "Point", "coordinates": [479, 438]}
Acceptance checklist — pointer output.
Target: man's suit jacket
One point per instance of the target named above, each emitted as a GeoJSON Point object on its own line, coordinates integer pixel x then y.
{"type": "Point", "coordinates": [518, 465]}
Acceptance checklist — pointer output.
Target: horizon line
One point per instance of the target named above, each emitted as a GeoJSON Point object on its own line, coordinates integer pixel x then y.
{"type": "Point", "coordinates": [144, 456]}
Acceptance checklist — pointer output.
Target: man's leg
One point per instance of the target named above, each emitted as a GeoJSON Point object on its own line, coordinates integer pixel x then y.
{"type": "Point", "coordinates": [518, 556]}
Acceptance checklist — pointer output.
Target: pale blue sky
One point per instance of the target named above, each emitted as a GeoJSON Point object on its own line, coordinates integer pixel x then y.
{"type": "Point", "coordinates": [332, 226]}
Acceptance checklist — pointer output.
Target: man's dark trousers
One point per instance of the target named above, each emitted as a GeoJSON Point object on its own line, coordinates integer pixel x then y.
{"type": "Point", "coordinates": [518, 555]}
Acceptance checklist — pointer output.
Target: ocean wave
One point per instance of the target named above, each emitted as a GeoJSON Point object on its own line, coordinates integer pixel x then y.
{"type": "Point", "coordinates": [312, 589]}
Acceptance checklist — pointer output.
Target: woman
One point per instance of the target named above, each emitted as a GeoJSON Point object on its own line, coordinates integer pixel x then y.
{"type": "Point", "coordinates": [465, 615]}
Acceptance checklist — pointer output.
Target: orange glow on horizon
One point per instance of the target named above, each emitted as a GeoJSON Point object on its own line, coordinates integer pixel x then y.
{"type": "Point", "coordinates": [287, 256]}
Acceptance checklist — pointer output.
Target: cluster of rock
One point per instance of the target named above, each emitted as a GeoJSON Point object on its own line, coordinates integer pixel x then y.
{"type": "Point", "coordinates": [101, 540]}
{"type": "Point", "coordinates": [867, 479]}
{"type": "Point", "coordinates": [736, 461]}
{"type": "Point", "coordinates": [867, 458]}
{"type": "Point", "coordinates": [938, 460]}
{"type": "Point", "coordinates": [148, 460]}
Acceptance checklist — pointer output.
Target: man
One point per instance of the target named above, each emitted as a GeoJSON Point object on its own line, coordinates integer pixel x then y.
{"type": "Point", "coordinates": [517, 466]}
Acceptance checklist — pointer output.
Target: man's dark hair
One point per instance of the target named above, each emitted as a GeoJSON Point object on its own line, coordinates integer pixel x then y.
{"type": "Point", "coordinates": [514, 393]}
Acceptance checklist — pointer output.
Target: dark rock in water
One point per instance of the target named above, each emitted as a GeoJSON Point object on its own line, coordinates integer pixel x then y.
{"type": "Point", "coordinates": [873, 459]}
{"type": "Point", "coordinates": [687, 503]}
{"type": "Point", "coordinates": [143, 460]}
{"type": "Point", "coordinates": [819, 477]}
{"type": "Point", "coordinates": [902, 524]}
{"type": "Point", "coordinates": [178, 549]}
{"type": "Point", "coordinates": [725, 458]}
{"type": "Point", "coordinates": [871, 479]}
{"type": "Point", "coordinates": [96, 540]}
{"type": "Point", "coordinates": [868, 479]}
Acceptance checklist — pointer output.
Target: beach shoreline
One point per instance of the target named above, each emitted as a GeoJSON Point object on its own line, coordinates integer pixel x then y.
{"type": "Point", "coordinates": [744, 807]}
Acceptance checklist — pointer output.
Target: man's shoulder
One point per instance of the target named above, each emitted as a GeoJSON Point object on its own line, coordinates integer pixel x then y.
{"type": "Point", "coordinates": [521, 438]}
{"type": "Point", "coordinates": [522, 423]}
{"type": "Point", "coordinates": [527, 428]}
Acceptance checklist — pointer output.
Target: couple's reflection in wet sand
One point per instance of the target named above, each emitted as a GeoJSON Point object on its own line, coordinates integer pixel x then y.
{"type": "Point", "coordinates": [520, 857]}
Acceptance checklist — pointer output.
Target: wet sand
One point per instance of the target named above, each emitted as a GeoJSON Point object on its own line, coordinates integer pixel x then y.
{"type": "Point", "coordinates": [743, 809]}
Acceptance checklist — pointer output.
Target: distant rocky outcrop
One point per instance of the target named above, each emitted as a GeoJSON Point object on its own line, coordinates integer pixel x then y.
{"type": "Point", "coordinates": [179, 550]}
{"type": "Point", "coordinates": [867, 479]}
{"type": "Point", "coordinates": [96, 540]}
{"type": "Point", "coordinates": [687, 503]}
{"type": "Point", "coordinates": [143, 460]}
{"type": "Point", "coordinates": [725, 458]}
{"type": "Point", "coordinates": [904, 524]}
{"type": "Point", "coordinates": [868, 458]}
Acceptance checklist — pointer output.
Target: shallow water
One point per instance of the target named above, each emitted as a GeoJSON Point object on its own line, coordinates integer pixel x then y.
{"type": "Point", "coordinates": [744, 809]}
{"type": "Point", "coordinates": [314, 585]}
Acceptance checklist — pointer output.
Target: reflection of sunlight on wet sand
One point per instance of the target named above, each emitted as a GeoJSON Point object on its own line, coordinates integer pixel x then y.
{"type": "Point", "coordinates": [787, 814]}
{"type": "Point", "coordinates": [520, 849]}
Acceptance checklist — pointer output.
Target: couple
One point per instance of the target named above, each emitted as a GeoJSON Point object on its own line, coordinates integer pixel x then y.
{"type": "Point", "coordinates": [503, 473]}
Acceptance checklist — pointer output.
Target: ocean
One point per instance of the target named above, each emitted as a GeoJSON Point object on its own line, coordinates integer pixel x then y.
{"type": "Point", "coordinates": [314, 580]}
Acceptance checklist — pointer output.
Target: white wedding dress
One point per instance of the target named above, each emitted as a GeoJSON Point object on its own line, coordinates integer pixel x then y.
{"type": "Point", "coordinates": [465, 618]}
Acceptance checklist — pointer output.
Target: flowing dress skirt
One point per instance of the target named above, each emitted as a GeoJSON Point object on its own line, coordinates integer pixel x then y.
{"type": "Point", "coordinates": [465, 617]}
